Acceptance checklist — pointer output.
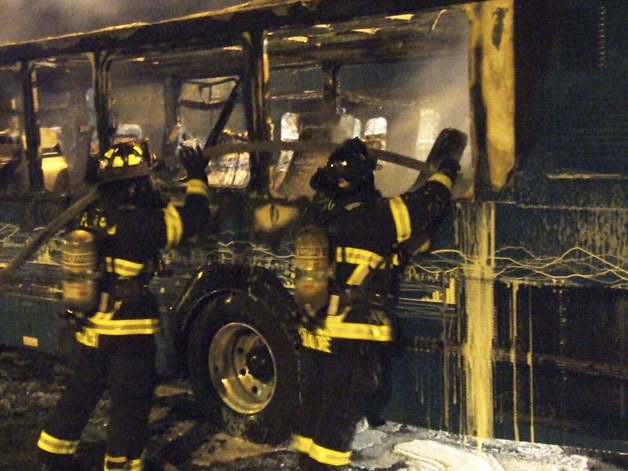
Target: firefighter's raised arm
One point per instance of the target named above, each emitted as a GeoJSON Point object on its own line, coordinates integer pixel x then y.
{"type": "Point", "coordinates": [415, 211]}
{"type": "Point", "coordinates": [187, 220]}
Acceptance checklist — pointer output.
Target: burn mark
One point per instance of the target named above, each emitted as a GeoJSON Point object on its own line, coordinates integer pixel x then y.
{"type": "Point", "coordinates": [498, 27]}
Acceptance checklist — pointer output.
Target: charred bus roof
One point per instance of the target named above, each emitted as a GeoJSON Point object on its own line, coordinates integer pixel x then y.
{"type": "Point", "coordinates": [316, 20]}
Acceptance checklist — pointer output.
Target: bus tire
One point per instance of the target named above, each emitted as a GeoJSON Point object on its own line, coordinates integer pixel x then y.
{"type": "Point", "coordinates": [243, 368]}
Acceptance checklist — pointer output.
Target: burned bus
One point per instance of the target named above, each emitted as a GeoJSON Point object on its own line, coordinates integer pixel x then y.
{"type": "Point", "coordinates": [515, 324]}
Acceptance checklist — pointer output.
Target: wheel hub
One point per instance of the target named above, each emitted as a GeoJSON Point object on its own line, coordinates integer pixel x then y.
{"type": "Point", "coordinates": [242, 368]}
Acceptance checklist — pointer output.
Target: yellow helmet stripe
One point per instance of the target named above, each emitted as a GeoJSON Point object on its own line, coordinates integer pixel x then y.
{"type": "Point", "coordinates": [133, 159]}
{"type": "Point", "coordinates": [401, 216]}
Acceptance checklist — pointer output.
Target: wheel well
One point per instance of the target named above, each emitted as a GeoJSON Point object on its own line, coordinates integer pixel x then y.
{"type": "Point", "coordinates": [214, 284]}
{"type": "Point", "coordinates": [213, 299]}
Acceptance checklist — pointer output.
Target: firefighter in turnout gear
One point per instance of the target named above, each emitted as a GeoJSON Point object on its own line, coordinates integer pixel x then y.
{"type": "Point", "coordinates": [116, 337]}
{"type": "Point", "coordinates": [344, 343]}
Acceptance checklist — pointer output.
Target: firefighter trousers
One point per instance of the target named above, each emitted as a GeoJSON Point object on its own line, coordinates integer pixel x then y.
{"type": "Point", "coordinates": [125, 366]}
{"type": "Point", "coordinates": [336, 389]}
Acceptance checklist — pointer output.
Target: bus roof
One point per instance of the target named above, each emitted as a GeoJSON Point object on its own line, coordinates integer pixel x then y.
{"type": "Point", "coordinates": [214, 27]}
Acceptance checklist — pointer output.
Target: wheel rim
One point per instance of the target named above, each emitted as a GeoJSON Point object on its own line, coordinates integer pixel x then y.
{"type": "Point", "coordinates": [230, 372]}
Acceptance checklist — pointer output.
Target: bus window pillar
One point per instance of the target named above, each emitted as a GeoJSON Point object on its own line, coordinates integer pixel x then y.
{"type": "Point", "coordinates": [331, 106]}
{"type": "Point", "coordinates": [101, 63]}
{"type": "Point", "coordinates": [255, 91]}
{"type": "Point", "coordinates": [31, 126]}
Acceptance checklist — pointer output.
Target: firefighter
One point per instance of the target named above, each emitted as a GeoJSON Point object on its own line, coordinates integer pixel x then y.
{"type": "Point", "coordinates": [117, 315]}
{"type": "Point", "coordinates": [344, 342]}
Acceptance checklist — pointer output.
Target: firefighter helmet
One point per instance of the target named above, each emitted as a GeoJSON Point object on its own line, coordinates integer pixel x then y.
{"type": "Point", "coordinates": [128, 159]}
{"type": "Point", "coordinates": [349, 168]}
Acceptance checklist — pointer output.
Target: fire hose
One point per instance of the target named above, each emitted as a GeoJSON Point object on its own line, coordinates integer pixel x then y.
{"type": "Point", "coordinates": [449, 143]}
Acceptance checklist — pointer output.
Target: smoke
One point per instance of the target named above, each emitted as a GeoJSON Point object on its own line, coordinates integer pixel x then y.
{"type": "Point", "coordinates": [22, 20]}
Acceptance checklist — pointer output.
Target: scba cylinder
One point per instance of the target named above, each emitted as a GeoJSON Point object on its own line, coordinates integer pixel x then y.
{"type": "Point", "coordinates": [311, 283]}
{"type": "Point", "coordinates": [79, 260]}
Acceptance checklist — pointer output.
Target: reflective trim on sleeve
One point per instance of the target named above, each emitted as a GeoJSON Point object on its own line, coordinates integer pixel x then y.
{"type": "Point", "coordinates": [122, 267]}
{"type": "Point", "coordinates": [136, 465]}
{"type": "Point", "coordinates": [174, 225]}
{"type": "Point", "coordinates": [301, 443]}
{"type": "Point", "coordinates": [401, 216]}
{"type": "Point", "coordinates": [197, 187]}
{"type": "Point", "coordinates": [113, 463]}
{"type": "Point", "coordinates": [124, 326]}
{"type": "Point", "coordinates": [329, 456]}
{"type": "Point", "coordinates": [56, 445]}
{"type": "Point", "coordinates": [442, 179]}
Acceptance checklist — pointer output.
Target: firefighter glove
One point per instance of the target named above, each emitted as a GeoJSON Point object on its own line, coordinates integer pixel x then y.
{"type": "Point", "coordinates": [194, 162]}
{"type": "Point", "coordinates": [449, 167]}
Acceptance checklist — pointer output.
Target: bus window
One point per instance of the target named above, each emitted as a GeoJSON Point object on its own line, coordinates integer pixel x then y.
{"type": "Point", "coordinates": [175, 98]}
{"type": "Point", "coordinates": [352, 79]}
{"type": "Point", "coordinates": [416, 96]}
{"type": "Point", "coordinates": [13, 170]}
{"type": "Point", "coordinates": [295, 104]}
{"type": "Point", "coordinates": [66, 118]}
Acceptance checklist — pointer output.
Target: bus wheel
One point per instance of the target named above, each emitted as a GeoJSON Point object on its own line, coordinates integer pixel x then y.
{"type": "Point", "coordinates": [243, 368]}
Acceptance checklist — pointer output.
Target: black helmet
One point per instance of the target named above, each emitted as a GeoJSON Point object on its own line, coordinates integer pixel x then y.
{"type": "Point", "coordinates": [130, 159]}
{"type": "Point", "coordinates": [348, 169]}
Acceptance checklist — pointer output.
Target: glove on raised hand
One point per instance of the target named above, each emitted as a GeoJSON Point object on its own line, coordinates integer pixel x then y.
{"type": "Point", "coordinates": [194, 162]}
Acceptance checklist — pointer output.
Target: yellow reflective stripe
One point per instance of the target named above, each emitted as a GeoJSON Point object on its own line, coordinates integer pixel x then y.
{"type": "Point", "coordinates": [87, 337]}
{"type": "Point", "coordinates": [358, 275]}
{"type": "Point", "coordinates": [197, 187]}
{"type": "Point", "coordinates": [301, 443]}
{"type": "Point", "coordinates": [358, 256]}
{"type": "Point", "coordinates": [114, 462]}
{"type": "Point", "coordinates": [442, 179]}
{"type": "Point", "coordinates": [174, 226]}
{"type": "Point", "coordinates": [314, 342]}
{"type": "Point", "coordinates": [124, 326]}
{"type": "Point", "coordinates": [401, 216]}
{"type": "Point", "coordinates": [425, 247]}
{"type": "Point", "coordinates": [136, 465]}
{"type": "Point", "coordinates": [329, 456]}
{"type": "Point", "coordinates": [56, 445]}
{"type": "Point", "coordinates": [133, 159]}
{"type": "Point", "coordinates": [364, 259]}
{"type": "Point", "coordinates": [122, 267]}
{"type": "Point", "coordinates": [395, 259]}
{"type": "Point", "coordinates": [336, 327]}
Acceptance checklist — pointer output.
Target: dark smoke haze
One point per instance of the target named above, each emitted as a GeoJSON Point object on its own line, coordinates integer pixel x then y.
{"type": "Point", "coordinates": [22, 20]}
